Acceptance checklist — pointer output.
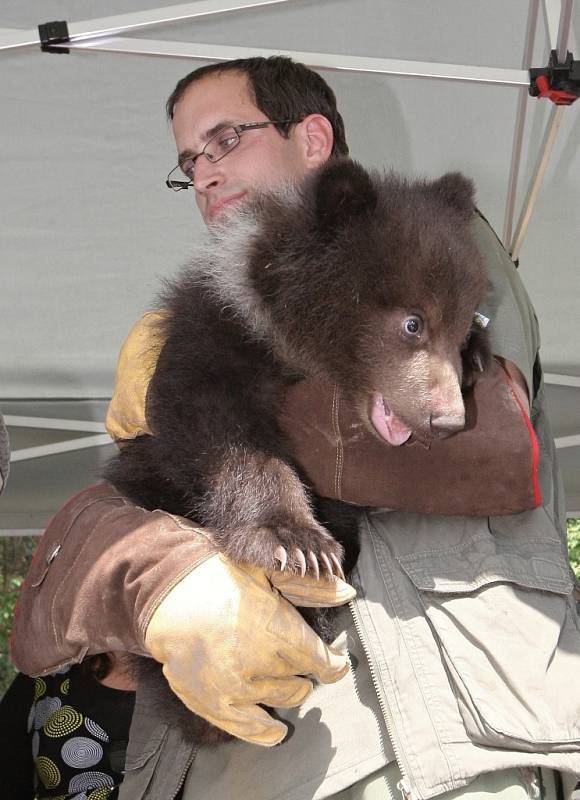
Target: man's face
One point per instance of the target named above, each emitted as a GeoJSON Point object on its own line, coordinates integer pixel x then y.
{"type": "Point", "coordinates": [262, 160]}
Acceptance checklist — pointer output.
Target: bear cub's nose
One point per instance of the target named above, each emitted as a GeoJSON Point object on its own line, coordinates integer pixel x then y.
{"type": "Point", "coordinates": [447, 424]}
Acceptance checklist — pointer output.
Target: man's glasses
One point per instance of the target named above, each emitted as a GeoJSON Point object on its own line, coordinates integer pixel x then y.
{"type": "Point", "coordinates": [215, 149]}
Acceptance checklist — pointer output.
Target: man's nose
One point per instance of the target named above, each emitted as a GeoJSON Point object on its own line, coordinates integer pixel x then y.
{"type": "Point", "coordinates": [207, 174]}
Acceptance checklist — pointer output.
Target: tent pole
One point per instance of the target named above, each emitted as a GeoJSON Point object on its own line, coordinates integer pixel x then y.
{"type": "Point", "coordinates": [552, 11]}
{"type": "Point", "coordinates": [564, 30]}
{"type": "Point", "coordinates": [531, 28]}
{"type": "Point", "coordinates": [556, 379]}
{"type": "Point", "coordinates": [56, 448]}
{"type": "Point", "coordinates": [109, 26]}
{"type": "Point", "coordinates": [549, 136]}
{"type": "Point", "coordinates": [52, 423]}
{"type": "Point", "coordinates": [498, 76]}
{"type": "Point", "coordinates": [536, 182]}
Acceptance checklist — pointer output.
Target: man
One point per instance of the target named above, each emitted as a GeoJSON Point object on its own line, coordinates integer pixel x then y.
{"type": "Point", "coordinates": [464, 628]}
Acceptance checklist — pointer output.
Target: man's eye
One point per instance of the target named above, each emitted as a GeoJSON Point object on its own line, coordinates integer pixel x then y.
{"type": "Point", "coordinates": [227, 141]}
{"type": "Point", "coordinates": [187, 167]}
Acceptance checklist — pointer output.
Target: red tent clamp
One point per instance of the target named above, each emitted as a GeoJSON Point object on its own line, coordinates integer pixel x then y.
{"type": "Point", "coordinates": [559, 82]}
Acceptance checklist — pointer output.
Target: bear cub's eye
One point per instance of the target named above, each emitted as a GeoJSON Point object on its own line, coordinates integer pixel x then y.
{"type": "Point", "coordinates": [413, 325]}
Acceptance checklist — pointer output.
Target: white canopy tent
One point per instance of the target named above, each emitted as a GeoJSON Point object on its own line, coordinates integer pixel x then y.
{"type": "Point", "coordinates": [88, 228]}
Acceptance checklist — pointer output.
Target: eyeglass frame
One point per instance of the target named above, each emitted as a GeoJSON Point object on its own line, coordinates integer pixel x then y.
{"type": "Point", "coordinates": [178, 186]}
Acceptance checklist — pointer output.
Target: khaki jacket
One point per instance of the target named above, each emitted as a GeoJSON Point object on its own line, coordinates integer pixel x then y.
{"type": "Point", "coordinates": [464, 637]}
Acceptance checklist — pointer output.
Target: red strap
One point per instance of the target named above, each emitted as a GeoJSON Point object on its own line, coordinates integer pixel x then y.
{"type": "Point", "coordinates": [533, 439]}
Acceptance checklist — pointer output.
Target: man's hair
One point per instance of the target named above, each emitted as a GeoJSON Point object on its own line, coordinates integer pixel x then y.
{"type": "Point", "coordinates": [281, 88]}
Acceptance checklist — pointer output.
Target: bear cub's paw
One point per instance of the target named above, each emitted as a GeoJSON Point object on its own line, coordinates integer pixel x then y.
{"type": "Point", "coordinates": [282, 543]}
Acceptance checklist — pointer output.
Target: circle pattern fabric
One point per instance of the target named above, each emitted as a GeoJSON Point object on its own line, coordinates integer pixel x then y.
{"type": "Point", "coordinates": [89, 780]}
{"type": "Point", "coordinates": [81, 752]}
{"type": "Point", "coordinates": [48, 772]}
{"type": "Point", "coordinates": [65, 720]}
{"type": "Point", "coordinates": [96, 730]}
{"type": "Point", "coordinates": [103, 793]}
{"type": "Point", "coordinates": [45, 708]}
{"type": "Point", "coordinates": [78, 732]}
{"type": "Point", "coordinates": [39, 688]}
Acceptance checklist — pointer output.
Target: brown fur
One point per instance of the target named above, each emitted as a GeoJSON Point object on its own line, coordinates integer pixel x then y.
{"type": "Point", "coordinates": [323, 283]}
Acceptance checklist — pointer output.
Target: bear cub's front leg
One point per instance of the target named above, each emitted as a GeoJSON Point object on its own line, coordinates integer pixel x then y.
{"type": "Point", "coordinates": [259, 514]}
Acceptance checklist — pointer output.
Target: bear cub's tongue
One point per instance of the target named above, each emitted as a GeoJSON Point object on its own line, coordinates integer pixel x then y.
{"type": "Point", "coordinates": [386, 424]}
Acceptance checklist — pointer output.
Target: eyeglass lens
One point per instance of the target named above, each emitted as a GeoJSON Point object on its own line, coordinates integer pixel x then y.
{"type": "Point", "coordinates": [217, 147]}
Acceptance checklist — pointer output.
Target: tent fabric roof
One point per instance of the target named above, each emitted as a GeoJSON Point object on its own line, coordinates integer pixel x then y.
{"type": "Point", "coordinates": [88, 228]}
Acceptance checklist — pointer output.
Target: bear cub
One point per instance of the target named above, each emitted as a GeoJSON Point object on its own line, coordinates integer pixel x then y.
{"type": "Point", "coordinates": [367, 279]}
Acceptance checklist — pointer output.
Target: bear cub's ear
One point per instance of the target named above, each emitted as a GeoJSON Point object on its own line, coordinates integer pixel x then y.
{"type": "Point", "coordinates": [342, 189]}
{"type": "Point", "coordinates": [455, 190]}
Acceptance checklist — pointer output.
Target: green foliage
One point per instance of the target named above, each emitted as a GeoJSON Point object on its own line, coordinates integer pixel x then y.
{"type": "Point", "coordinates": [9, 595]}
{"type": "Point", "coordinates": [574, 544]}
{"type": "Point", "coordinates": [15, 555]}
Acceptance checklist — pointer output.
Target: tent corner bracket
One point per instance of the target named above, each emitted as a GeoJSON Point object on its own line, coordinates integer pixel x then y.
{"type": "Point", "coordinates": [53, 33]}
{"type": "Point", "coordinates": [558, 82]}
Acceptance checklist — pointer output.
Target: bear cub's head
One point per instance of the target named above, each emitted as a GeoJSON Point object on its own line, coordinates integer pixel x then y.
{"type": "Point", "coordinates": [373, 280]}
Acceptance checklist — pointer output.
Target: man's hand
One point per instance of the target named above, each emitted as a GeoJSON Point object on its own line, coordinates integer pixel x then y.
{"type": "Point", "coordinates": [229, 641]}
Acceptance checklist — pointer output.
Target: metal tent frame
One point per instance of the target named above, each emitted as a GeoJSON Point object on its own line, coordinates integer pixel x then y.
{"type": "Point", "coordinates": [104, 35]}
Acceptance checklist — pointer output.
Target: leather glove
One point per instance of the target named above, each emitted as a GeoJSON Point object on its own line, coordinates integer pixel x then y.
{"type": "Point", "coordinates": [135, 366]}
{"type": "Point", "coordinates": [228, 641]}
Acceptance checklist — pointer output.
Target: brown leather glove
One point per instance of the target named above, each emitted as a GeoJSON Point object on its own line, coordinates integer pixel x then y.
{"type": "Point", "coordinates": [229, 641]}
{"type": "Point", "coordinates": [343, 460]}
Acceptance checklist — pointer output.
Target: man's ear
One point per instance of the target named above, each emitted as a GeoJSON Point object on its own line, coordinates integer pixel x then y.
{"type": "Point", "coordinates": [317, 139]}
{"type": "Point", "coordinates": [342, 189]}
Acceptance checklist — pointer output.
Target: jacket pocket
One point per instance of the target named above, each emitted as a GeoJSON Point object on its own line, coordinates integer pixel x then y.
{"type": "Point", "coordinates": [501, 610]}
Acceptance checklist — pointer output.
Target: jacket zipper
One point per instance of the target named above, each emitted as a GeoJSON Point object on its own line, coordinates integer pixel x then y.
{"type": "Point", "coordinates": [186, 768]}
{"type": "Point", "coordinates": [403, 785]}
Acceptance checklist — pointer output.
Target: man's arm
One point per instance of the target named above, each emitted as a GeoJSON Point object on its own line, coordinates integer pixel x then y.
{"type": "Point", "coordinates": [98, 574]}
{"type": "Point", "coordinates": [513, 326]}
{"type": "Point", "coordinates": [111, 576]}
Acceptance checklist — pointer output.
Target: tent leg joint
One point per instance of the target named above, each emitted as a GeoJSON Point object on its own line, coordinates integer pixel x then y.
{"type": "Point", "coordinates": [558, 82]}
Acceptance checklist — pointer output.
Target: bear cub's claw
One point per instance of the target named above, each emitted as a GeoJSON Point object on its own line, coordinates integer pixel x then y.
{"type": "Point", "coordinates": [309, 563]}
{"type": "Point", "coordinates": [301, 549]}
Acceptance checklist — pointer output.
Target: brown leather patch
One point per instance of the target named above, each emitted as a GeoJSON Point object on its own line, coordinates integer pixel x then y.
{"type": "Point", "coordinates": [489, 468]}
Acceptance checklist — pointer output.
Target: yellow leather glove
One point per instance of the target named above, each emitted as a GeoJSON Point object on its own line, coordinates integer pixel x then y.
{"type": "Point", "coordinates": [135, 367]}
{"type": "Point", "coordinates": [228, 641]}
